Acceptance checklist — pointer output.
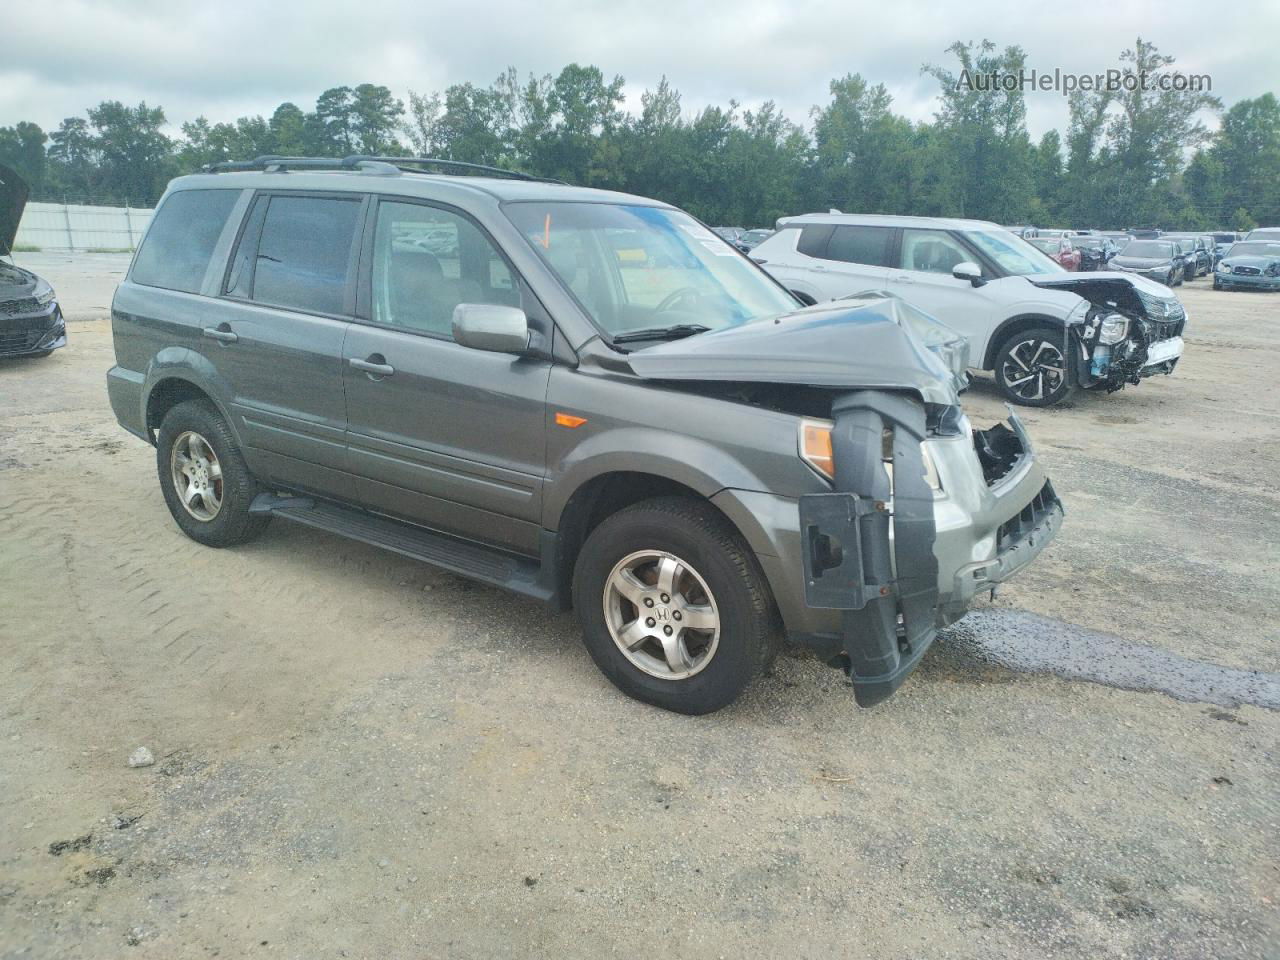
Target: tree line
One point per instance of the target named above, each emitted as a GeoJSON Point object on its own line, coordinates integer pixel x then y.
{"type": "Point", "coordinates": [1128, 158]}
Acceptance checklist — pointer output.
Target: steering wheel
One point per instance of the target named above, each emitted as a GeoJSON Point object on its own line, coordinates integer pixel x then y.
{"type": "Point", "coordinates": [675, 296]}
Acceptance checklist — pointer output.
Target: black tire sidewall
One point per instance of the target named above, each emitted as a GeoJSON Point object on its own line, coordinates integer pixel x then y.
{"type": "Point", "coordinates": [233, 524]}
{"type": "Point", "coordinates": [1051, 336]}
{"type": "Point", "coordinates": [736, 587]}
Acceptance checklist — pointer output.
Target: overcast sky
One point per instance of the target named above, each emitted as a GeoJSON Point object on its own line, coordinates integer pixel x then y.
{"type": "Point", "coordinates": [234, 57]}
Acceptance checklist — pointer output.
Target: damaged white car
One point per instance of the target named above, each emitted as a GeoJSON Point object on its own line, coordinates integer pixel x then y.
{"type": "Point", "coordinates": [1042, 330]}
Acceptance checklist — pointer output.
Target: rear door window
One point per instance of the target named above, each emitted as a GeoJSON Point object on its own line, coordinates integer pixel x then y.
{"type": "Point", "coordinates": [181, 238]}
{"type": "Point", "coordinates": [851, 243]}
{"type": "Point", "coordinates": [304, 253]}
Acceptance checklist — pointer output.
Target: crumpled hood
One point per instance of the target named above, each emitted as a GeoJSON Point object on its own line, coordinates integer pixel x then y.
{"type": "Point", "coordinates": [1107, 288]}
{"type": "Point", "coordinates": [13, 200]}
{"type": "Point", "coordinates": [828, 345]}
{"type": "Point", "coordinates": [1260, 262]}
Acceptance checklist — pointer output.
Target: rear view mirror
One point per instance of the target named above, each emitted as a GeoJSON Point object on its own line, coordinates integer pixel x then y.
{"type": "Point", "coordinates": [486, 326]}
{"type": "Point", "coordinates": [968, 271]}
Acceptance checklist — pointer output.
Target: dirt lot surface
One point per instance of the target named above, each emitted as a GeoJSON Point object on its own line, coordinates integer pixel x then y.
{"type": "Point", "coordinates": [358, 756]}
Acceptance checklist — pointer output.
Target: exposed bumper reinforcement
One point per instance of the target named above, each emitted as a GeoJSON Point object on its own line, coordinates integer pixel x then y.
{"type": "Point", "coordinates": [888, 622]}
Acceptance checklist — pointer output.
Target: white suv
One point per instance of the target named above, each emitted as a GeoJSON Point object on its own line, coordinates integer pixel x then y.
{"type": "Point", "coordinates": [1041, 329]}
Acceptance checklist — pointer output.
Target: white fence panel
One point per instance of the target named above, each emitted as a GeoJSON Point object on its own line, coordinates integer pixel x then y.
{"type": "Point", "coordinates": [58, 226]}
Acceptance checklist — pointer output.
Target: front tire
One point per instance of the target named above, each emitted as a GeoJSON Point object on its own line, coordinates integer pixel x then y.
{"type": "Point", "coordinates": [1032, 369]}
{"type": "Point", "coordinates": [674, 608]}
{"type": "Point", "coordinates": [206, 484]}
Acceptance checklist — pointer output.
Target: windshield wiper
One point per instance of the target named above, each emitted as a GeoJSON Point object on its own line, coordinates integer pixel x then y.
{"type": "Point", "coordinates": [675, 332]}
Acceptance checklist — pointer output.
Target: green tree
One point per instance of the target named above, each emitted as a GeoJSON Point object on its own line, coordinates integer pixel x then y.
{"type": "Point", "coordinates": [288, 130]}
{"type": "Point", "coordinates": [1248, 148]}
{"type": "Point", "coordinates": [986, 131]}
{"type": "Point", "coordinates": [1150, 134]}
{"type": "Point", "coordinates": [133, 154]}
{"type": "Point", "coordinates": [330, 130]}
{"type": "Point", "coordinates": [22, 147]}
{"type": "Point", "coordinates": [1048, 174]}
{"type": "Point", "coordinates": [73, 158]}
{"type": "Point", "coordinates": [1203, 182]}
{"type": "Point", "coordinates": [861, 148]}
{"type": "Point", "coordinates": [376, 118]}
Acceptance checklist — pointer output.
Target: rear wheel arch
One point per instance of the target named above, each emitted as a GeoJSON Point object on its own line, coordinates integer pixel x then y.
{"type": "Point", "coordinates": [167, 393]}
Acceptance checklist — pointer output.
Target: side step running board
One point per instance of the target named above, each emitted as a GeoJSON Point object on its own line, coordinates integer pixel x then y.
{"type": "Point", "coordinates": [487, 564]}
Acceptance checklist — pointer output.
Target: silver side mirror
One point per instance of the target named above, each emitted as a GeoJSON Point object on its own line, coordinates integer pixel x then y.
{"type": "Point", "coordinates": [968, 271]}
{"type": "Point", "coordinates": [487, 326]}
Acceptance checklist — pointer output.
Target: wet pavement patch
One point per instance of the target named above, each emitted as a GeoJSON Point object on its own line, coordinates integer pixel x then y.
{"type": "Point", "coordinates": [1029, 643]}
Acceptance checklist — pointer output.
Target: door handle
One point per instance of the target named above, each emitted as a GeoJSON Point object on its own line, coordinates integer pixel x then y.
{"type": "Point", "coordinates": [904, 278]}
{"type": "Point", "coordinates": [375, 366]}
{"type": "Point", "coordinates": [221, 332]}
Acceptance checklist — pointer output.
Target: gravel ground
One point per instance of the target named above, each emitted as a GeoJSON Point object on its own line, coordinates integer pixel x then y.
{"type": "Point", "coordinates": [359, 756]}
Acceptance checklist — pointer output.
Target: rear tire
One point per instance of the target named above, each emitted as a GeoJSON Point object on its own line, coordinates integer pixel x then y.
{"type": "Point", "coordinates": [206, 484]}
{"type": "Point", "coordinates": [1032, 368]}
{"type": "Point", "coordinates": [648, 647]}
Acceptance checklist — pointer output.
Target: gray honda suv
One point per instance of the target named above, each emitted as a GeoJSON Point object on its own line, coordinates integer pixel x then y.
{"type": "Point", "coordinates": [586, 397]}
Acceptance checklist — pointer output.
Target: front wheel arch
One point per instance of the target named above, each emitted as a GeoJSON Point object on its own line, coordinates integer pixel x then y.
{"type": "Point", "coordinates": [1014, 326]}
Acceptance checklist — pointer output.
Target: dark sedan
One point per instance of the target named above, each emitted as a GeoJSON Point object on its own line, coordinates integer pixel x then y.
{"type": "Point", "coordinates": [31, 323]}
{"type": "Point", "coordinates": [1095, 252]}
{"type": "Point", "coordinates": [1250, 264]}
{"type": "Point", "coordinates": [1159, 260]}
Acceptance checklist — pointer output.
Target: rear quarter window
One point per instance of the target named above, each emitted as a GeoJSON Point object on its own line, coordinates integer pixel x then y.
{"type": "Point", "coordinates": [181, 238]}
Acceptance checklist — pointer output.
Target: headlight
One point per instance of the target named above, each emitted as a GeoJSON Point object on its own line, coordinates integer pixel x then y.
{"type": "Point", "coordinates": [815, 446]}
{"type": "Point", "coordinates": [44, 297]}
{"type": "Point", "coordinates": [815, 450]}
{"type": "Point", "coordinates": [1273, 270]}
{"type": "Point", "coordinates": [1222, 267]}
{"type": "Point", "coordinates": [1113, 328]}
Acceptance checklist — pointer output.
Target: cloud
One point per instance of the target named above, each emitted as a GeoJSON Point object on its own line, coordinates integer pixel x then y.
{"type": "Point", "coordinates": [238, 57]}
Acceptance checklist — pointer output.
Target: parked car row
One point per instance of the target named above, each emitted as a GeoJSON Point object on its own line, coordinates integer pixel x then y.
{"type": "Point", "coordinates": [1167, 256]}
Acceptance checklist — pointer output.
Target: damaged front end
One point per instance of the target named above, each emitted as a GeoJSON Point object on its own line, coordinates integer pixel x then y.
{"type": "Point", "coordinates": [922, 511]}
{"type": "Point", "coordinates": [926, 513]}
{"type": "Point", "coordinates": [1126, 330]}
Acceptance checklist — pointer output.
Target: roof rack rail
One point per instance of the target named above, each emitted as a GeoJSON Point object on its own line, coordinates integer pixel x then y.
{"type": "Point", "coordinates": [458, 164]}
{"type": "Point", "coordinates": [406, 164]}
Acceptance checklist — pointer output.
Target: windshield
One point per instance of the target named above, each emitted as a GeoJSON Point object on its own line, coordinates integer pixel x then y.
{"type": "Point", "coordinates": [1255, 248]}
{"type": "Point", "coordinates": [1015, 256]}
{"type": "Point", "coordinates": [1090, 243]}
{"type": "Point", "coordinates": [1149, 248]}
{"type": "Point", "coordinates": [635, 267]}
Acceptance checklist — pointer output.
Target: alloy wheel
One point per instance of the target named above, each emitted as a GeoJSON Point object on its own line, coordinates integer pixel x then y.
{"type": "Point", "coordinates": [661, 614]}
{"type": "Point", "coordinates": [197, 475]}
{"type": "Point", "coordinates": [1034, 369]}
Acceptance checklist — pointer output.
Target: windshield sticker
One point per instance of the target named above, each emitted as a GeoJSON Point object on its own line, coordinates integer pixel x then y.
{"type": "Point", "coordinates": [699, 232]}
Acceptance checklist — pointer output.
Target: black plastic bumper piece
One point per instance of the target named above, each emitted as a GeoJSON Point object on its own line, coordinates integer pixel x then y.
{"type": "Point", "coordinates": [888, 621]}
